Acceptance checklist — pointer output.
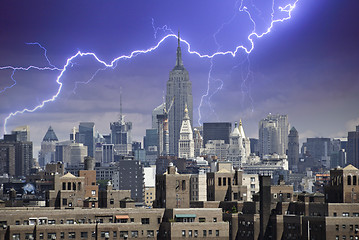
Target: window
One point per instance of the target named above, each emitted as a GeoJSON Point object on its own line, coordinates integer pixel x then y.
{"type": "Point", "coordinates": [112, 201]}
{"type": "Point", "coordinates": [145, 220]}
{"type": "Point", "coordinates": [70, 221]}
{"type": "Point", "coordinates": [190, 233]}
{"type": "Point", "coordinates": [345, 214]}
{"type": "Point", "coordinates": [351, 227]}
{"type": "Point", "coordinates": [123, 234]}
{"type": "Point", "coordinates": [52, 222]}
{"type": "Point", "coordinates": [51, 236]}
{"type": "Point", "coordinates": [69, 186]}
{"type": "Point", "coordinates": [17, 223]}
{"type": "Point", "coordinates": [219, 181]}
{"type": "Point", "coordinates": [132, 219]}
{"type": "Point", "coordinates": [159, 220]}
{"type": "Point", "coordinates": [214, 219]}
{"type": "Point", "coordinates": [195, 233]}
{"type": "Point", "coordinates": [93, 234]}
{"type": "Point", "coordinates": [114, 234]}
{"type": "Point", "coordinates": [62, 235]}
{"type": "Point", "coordinates": [349, 180]}
{"type": "Point", "coordinates": [209, 232]}
{"type": "Point", "coordinates": [335, 214]}
{"type": "Point", "coordinates": [202, 219]}
{"type": "Point", "coordinates": [337, 227]}
{"type": "Point", "coordinates": [72, 235]}
{"type": "Point", "coordinates": [123, 220]}
{"type": "Point", "coordinates": [344, 226]}
{"type": "Point", "coordinates": [217, 233]}
{"type": "Point", "coordinates": [64, 201]}
{"type": "Point", "coordinates": [288, 195]}
{"type": "Point", "coordinates": [224, 181]}
{"type": "Point", "coordinates": [253, 186]}
{"type": "Point", "coordinates": [29, 236]}
{"type": "Point", "coordinates": [63, 186]}
{"type": "Point", "coordinates": [253, 179]}
{"type": "Point", "coordinates": [93, 192]}
{"type": "Point", "coordinates": [183, 233]}
{"type": "Point", "coordinates": [16, 236]}
{"type": "Point", "coordinates": [84, 235]}
{"type": "Point", "coordinates": [150, 233]}
{"type": "Point", "coordinates": [134, 234]}
{"type": "Point", "coordinates": [183, 185]}
{"type": "Point", "coordinates": [204, 233]}
{"type": "Point", "coordinates": [355, 214]}
{"type": "Point", "coordinates": [354, 180]}
{"type": "Point", "coordinates": [41, 235]}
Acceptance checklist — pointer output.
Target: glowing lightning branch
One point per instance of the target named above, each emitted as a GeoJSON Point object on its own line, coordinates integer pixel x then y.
{"type": "Point", "coordinates": [287, 9]}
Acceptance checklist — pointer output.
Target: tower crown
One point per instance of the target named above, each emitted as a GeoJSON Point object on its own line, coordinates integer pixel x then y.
{"type": "Point", "coordinates": [179, 62]}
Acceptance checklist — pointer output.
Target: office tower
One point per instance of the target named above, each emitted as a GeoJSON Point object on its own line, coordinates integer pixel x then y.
{"type": "Point", "coordinates": [254, 146]}
{"type": "Point", "coordinates": [87, 137]}
{"type": "Point", "coordinates": [319, 151]}
{"type": "Point", "coordinates": [179, 93]}
{"type": "Point", "coordinates": [293, 149]}
{"type": "Point", "coordinates": [48, 148]}
{"type": "Point", "coordinates": [273, 134]}
{"type": "Point", "coordinates": [185, 143]}
{"type": "Point", "coordinates": [7, 158]}
{"type": "Point", "coordinates": [216, 131]}
{"type": "Point", "coordinates": [163, 148]}
{"type": "Point", "coordinates": [198, 142]}
{"type": "Point", "coordinates": [22, 133]}
{"type": "Point", "coordinates": [121, 136]}
{"type": "Point", "coordinates": [70, 153]}
{"type": "Point", "coordinates": [157, 111]}
{"type": "Point", "coordinates": [107, 153]}
{"type": "Point", "coordinates": [129, 175]}
{"type": "Point", "coordinates": [151, 138]}
{"type": "Point", "coordinates": [353, 148]}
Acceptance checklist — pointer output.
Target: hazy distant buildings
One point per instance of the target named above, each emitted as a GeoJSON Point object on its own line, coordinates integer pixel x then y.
{"type": "Point", "coordinates": [70, 153]}
{"type": "Point", "coordinates": [179, 94]}
{"type": "Point", "coordinates": [48, 147]}
{"type": "Point", "coordinates": [216, 131]}
{"type": "Point", "coordinates": [293, 149]}
{"type": "Point", "coordinates": [273, 134]}
{"type": "Point", "coordinates": [22, 133]}
{"type": "Point", "coordinates": [353, 148]}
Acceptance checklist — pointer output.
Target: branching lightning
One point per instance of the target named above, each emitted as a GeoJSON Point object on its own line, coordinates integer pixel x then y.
{"type": "Point", "coordinates": [69, 62]}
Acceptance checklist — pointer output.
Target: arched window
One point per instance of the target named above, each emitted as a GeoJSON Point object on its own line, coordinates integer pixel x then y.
{"type": "Point", "coordinates": [349, 178]}
{"type": "Point", "coordinates": [354, 180]}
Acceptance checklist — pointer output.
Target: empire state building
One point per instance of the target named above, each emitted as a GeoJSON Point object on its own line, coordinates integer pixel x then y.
{"type": "Point", "coordinates": [179, 94]}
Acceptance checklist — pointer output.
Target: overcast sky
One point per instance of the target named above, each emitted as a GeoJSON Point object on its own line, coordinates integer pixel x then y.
{"type": "Point", "coordinates": [306, 67]}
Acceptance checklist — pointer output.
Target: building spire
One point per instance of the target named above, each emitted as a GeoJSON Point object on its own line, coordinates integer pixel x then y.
{"type": "Point", "coordinates": [179, 54]}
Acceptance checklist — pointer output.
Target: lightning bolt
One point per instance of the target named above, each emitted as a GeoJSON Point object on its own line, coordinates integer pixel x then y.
{"type": "Point", "coordinates": [253, 35]}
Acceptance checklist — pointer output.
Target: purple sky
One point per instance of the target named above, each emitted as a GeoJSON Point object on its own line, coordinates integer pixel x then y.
{"type": "Point", "coordinates": [307, 67]}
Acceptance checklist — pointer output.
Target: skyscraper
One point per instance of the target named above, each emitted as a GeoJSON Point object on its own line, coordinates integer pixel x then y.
{"type": "Point", "coordinates": [293, 149]}
{"type": "Point", "coordinates": [273, 134]}
{"type": "Point", "coordinates": [87, 137]}
{"type": "Point", "coordinates": [48, 147]}
{"type": "Point", "coordinates": [353, 148]}
{"type": "Point", "coordinates": [179, 91]}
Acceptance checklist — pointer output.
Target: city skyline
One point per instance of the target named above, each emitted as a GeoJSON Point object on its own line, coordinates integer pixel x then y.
{"type": "Point", "coordinates": [304, 68]}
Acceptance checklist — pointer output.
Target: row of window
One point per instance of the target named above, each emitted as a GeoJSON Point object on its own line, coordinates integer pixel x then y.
{"type": "Point", "coordinates": [194, 233]}
{"type": "Point", "coordinates": [345, 237]}
{"type": "Point", "coordinates": [85, 235]}
{"type": "Point", "coordinates": [79, 221]}
{"type": "Point", "coordinates": [351, 227]}
{"type": "Point", "coordinates": [347, 214]}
